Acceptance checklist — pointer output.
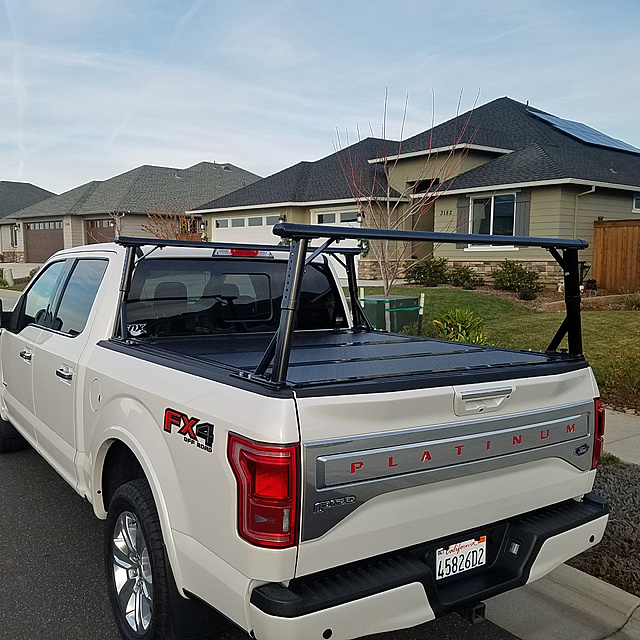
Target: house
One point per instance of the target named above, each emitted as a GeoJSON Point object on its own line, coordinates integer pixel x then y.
{"type": "Point", "coordinates": [535, 175]}
{"type": "Point", "coordinates": [13, 197]}
{"type": "Point", "coordinates": [307, 193]}
{"type": "Point", "coordinates": [98, 210]}
{"type": "Point", "coordinates": [504, 168]}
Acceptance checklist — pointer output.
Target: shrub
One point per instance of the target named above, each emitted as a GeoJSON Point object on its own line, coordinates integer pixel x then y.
{"type": "Point", "coordinates": [527, 294]}
{"type": "Point", "coordinates": [513, 276]}
{"type": "Point", "coordinates": [632, 302]}
{"type": "Point", "coordinates": [464, 276]}
{"type": "Point", "coordinates": [429, 273]}
{"type": "Point", "coordinates": [461, 325]}
{"type": "Point", "coordinates": [609, 460]}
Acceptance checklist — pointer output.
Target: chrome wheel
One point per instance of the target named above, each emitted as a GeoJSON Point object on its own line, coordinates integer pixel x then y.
{"type": "Point", "coordinates": [132, 573]}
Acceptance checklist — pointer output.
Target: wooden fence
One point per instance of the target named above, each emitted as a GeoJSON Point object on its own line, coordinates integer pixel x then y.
{"type": "Point", "coordinates": [616, 255]}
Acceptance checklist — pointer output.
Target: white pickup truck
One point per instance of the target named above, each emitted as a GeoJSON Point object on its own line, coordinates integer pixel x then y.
{"type": "Point", "coordinates": [260, 452]}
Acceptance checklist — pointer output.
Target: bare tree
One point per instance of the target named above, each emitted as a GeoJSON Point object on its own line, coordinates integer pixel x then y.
{"type": "Point", "coordinates": [386, 200]}
{"type": "Point", "coordinates": [117, 218]}
{"type": "Point", "coordinates": [172, 225]}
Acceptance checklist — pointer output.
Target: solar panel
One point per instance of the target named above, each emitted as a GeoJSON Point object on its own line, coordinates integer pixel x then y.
{"type": "Point", "coordinates": [584, 133]}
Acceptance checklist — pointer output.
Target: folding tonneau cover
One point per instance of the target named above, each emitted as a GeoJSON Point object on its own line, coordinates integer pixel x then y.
{"type": "Point", "coordinates": [321, 360]}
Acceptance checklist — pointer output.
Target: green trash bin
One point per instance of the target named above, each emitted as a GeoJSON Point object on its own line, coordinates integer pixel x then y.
{"type": "Point", "coordinates": [403, 311]}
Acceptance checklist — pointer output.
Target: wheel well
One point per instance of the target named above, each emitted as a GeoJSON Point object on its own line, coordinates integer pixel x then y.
{"type": "Point", "coordinates": [120, 466]}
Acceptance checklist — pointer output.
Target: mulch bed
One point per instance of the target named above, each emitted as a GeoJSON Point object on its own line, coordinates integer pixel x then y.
{"type": "Point", "coordinates": [617, 558]}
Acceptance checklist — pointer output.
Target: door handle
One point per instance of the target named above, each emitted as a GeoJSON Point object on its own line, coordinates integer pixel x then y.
{"type": "Point", "coordinates": [26, 355]}
{"type": "Point", "coordinates": [64, 373]}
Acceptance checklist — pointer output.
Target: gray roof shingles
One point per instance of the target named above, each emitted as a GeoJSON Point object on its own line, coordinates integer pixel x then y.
{"type": "Point", "coordinates": [322, 180]}
{"type": "Point", "coordinates": [18, 195]}
{"type": "Point", "coordinates": [540, 151]}
{"type": "Point", "coordinates": [144, 190]}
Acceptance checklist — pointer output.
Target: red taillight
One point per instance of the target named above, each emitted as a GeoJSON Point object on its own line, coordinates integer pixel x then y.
{"type": "Point", "coordinates": [598, 440]}
{"type": "Point", "coordinates": [244, 253]}
{"type": "Point", "coordinates": [267, 478]}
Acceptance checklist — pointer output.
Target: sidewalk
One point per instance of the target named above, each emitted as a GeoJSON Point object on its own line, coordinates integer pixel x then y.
{"type": "Point", "coordinates": [19, 269]}
{"type": "Point", "coordinates": [568, 604]}
{"type": "Point", "coordinates": [622, 436]}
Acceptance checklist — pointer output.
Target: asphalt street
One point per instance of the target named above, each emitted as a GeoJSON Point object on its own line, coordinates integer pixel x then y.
{"type": "Point", "coordinates": [52, 584]}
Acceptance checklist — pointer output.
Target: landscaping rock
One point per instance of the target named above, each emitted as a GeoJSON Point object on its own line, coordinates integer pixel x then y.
{"type": "Point", "coordinates": [616, 559]}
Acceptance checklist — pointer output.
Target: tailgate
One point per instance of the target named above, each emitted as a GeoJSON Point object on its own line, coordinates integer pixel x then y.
{"type": "Point", "coordinates": [384, 471]}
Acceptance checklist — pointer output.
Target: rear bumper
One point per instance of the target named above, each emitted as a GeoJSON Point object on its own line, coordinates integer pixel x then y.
{"type": "Point", "coordinates": [400, 590]}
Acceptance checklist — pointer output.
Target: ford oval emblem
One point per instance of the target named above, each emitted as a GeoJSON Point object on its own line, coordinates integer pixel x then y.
{"type": "Point", "coordinates": [582, 449]}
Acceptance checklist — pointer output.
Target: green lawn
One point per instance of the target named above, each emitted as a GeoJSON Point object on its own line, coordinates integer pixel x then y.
{"type": "Point", "coordinates": [611, 339]}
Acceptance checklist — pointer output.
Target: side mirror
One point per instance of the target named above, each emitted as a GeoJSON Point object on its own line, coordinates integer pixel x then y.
{"type": "Point", "coordinates": [5, 317]}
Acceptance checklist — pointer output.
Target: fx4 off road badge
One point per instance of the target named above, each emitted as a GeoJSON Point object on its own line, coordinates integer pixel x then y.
{"type": "Point", "coordinates": [193, 431]}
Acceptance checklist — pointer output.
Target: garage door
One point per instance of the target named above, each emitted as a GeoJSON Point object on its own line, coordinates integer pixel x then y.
{"type": "Point", "coordinates": [42, 240]}
{"type": "Point", "coordinates": [100, 231]}
{"type": "Point", "coordinates": [251, 229]}
{"type": "Point", "coordinates": [257, 229]}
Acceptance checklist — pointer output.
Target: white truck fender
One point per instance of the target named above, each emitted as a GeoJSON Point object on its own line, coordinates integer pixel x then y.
{"type": "Point", "coordinates": [145, 441]}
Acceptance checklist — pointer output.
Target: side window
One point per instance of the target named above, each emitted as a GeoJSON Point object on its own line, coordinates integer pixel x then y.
{"type": "Point", "coordinates": [36, 306]}
{"type": "Point", "coordinates": [78, 296]}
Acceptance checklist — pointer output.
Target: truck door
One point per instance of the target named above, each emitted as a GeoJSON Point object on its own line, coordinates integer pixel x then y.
{"type": "Point", "coordinates": [18, 347]}
{"type": "Point", "coordinates": [57, 352]}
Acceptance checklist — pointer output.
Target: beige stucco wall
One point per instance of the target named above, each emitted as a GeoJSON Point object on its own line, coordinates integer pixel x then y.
{"type": "Point", "coordinates": [443, 166]}
{"type": "Point", "coordinates": [73, 231]}
{"type": "Point", "coordinates": [7, 252]}
{"type": "Point", "coordinates": [5, 238]}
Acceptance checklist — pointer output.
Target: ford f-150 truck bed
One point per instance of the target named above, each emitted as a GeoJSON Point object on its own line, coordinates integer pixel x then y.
{"type": "Point", "coordinates": [259, 450]}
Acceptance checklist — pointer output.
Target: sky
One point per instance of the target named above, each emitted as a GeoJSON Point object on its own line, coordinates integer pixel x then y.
{"type": "Point", "coordinates": [90, 89]}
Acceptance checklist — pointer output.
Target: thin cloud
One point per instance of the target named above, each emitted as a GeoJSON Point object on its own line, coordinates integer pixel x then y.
{"type": "Point", "coordinates": [265, 85]}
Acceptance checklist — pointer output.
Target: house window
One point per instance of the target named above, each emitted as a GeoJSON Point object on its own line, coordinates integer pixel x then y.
{"type": "Point", "coordinates": [326, 218]}
{"type": "Point", "coordinates": [494, 215]}
{"type": "Point", "coordinates": [14, 235]}
{"type": "Point", "coordinates": [255, 222]}
{"type": "Point", "coordinates": [222, 224]}
{"type": "Point", "coordinates": [271, 220]}
{"type": "Point", "coordinates": [349, 216]}
{"type": "Point", "coordinates": [237, 222]}
{"type": "Point", "coordinates": [636, 204]}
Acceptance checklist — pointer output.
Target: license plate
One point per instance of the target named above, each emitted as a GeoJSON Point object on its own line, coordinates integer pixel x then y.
{"type": "Point", "coordinates": [460, 557]}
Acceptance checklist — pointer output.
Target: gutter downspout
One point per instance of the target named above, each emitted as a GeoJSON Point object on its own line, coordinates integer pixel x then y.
{"type": "Point", "coordinates": [575, 210]}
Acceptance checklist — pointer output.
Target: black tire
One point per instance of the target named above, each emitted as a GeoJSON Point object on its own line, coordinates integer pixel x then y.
{"type": "Point", "coordinates": [170, 616]}
{"type": "Point", "coordinates": [134, 540]}
{"type": "Point", "coordinates": [10, 439]}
